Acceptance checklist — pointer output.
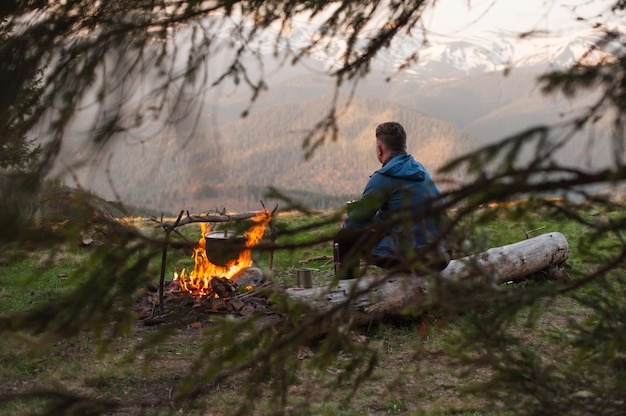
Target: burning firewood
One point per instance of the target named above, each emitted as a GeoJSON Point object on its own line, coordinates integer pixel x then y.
{"type": "Point", "coordinates": [223, 287]}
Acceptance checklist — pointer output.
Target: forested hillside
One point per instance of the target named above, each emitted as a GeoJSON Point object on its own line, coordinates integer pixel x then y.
{"type": "Point", "coordinates": [221, 160]}
{"type": "Point", "coordinates": [230, 164]}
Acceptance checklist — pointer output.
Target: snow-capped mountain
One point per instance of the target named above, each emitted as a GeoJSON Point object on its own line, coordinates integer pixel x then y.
{"type": "Point", "coordinates": [434, 55]}
{"type": "Point", "coordinates": [452, 57]}
{"type": "Point", "coordinates": [439, 56]}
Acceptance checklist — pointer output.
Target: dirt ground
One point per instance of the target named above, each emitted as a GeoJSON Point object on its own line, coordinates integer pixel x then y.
{"type": "Point", "coordinates": [412, 376]}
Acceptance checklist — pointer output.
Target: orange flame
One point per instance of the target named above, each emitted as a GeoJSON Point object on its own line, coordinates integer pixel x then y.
{"type": "Point", "coordinates": [198, 281]}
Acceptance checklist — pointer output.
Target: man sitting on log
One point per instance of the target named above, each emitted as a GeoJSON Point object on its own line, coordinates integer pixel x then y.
{"type": "Point", "coordinates": [397, 217]}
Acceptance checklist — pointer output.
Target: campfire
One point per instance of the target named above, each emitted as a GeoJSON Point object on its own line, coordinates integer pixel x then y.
{"type": "Point", "coordinates": [198, 282]}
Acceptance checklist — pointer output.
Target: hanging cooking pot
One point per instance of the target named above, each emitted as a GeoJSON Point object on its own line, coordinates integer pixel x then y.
{"type": "Point", "coordinates": [224, 246]}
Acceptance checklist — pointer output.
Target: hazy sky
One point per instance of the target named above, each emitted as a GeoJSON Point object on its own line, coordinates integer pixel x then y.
{"type": "Point", "coordinates": [469, 16]}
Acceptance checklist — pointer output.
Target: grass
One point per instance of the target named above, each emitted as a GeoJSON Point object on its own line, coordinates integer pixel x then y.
{"type": "Point", "coordinates": [35, 279]}
{"type": "Point", "coordinates": [414, 374]}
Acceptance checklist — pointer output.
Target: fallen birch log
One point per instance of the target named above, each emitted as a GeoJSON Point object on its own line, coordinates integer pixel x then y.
{"type": "Point", "coordinates": [513, 261]}
{"type": "Point", "coordinates": [375, 296]}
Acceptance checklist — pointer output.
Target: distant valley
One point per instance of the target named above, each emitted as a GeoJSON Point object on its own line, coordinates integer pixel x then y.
{"type": "Point", "coordinates": [220, 160]}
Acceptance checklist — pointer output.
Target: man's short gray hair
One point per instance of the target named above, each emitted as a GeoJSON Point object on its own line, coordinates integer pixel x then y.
{"type": "Point", "coordinates": [392, 134]}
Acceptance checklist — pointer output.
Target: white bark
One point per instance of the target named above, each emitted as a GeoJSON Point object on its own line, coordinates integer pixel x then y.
{"type": "Point", "coordinates": [513, 261]}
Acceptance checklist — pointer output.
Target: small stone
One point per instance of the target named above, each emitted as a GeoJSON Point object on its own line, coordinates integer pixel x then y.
{"type": "Point", "coordinates": [250, 276]}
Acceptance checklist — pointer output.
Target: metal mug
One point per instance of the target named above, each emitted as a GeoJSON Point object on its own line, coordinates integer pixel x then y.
{"type": "Point", "coordinates": [304, 278]}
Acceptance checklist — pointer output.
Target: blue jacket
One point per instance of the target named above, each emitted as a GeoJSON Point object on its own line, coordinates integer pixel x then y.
{"type": "Point", "coordinates": [401, 183]}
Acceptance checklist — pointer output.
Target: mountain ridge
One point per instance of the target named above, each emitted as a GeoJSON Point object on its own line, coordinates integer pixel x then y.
{"type": "Point", "coordinates": [447, 110]}
{"type": "Point", "coordinates": [253, 153]}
